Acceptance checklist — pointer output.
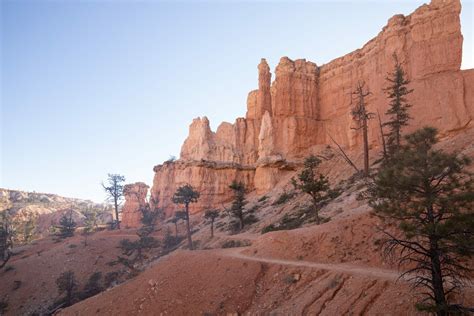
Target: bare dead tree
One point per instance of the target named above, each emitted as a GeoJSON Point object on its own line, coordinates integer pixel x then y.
{"type": "Point", "coordinates": [382, 136]}
{"type": "Point", "coordinates": [362, 116]}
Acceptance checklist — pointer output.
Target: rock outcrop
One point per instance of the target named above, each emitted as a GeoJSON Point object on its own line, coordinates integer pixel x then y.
{"type": "Point", "coordinates": [295, 115]}
{"type": "Point", "coordinates": [135, 197]}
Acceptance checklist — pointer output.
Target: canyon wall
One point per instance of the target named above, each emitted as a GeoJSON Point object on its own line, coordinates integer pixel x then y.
{"type": "Point", "coordinates": [292, 116]}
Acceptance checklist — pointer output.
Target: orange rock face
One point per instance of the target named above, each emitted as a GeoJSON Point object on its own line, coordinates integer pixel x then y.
{"type": "Point", "coordinates": [210, 179]}
{"type": "Point", "coordinates": [293, 116]}
{"type": "Point", "coordinates": [135, 197]}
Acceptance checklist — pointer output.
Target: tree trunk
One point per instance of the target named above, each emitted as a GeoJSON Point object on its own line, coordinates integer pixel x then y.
{"type": "Point", "coordinates": [188, 228]}
{"type": "Point", "coordinates": [384, 146]}
{"type": "Point", "coordinates": [366, 149]}
{"type": "Point", "coordinates": [212, 228]}
{"type": "Point", "coordinates": [176, 229]}
{"type": "Point", "coordinates": [241, 221]}
{"type": "Point", "coordinates": [437, 280]}
{"type": "Point", "coordinates": [117, 213]}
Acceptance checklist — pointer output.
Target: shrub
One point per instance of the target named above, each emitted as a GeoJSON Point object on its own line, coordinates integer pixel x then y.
{"type": "Point", "coordinates": [232, 243]}
{"type": "Point", "coordinates": [16, 285]}
{"type": "Point", "coordinates": [250, 219]}
{"type": "Point", "coordinates": [269, 228]}
{"type": "Point", "coordinates": [67, 226]}
{"type": "Point", "coordinates": [111, 279]}
{"type": "Point", "coordinates": [291, 222]}
{"type": "Point", "coordinates": [67, 284]}
{"type": "Point", "coordinates": [287, 222]}
{"type": "Point", "coordinates": [171, 159]}
{"type": "Point", "coordinates": [253, 209]}
{"type": "Point", "coordinates": [263, 198]}
{"type": "Point", "coordinates": [3, 306]}
{"type": "Point", "coordinates": [170, 242]}
{"type": "Point", "coordinates": [92, 286]}
{"type": "Point", "coordinates": [289, 279]}
{"type": "Point", "coordinates": [284, 197]}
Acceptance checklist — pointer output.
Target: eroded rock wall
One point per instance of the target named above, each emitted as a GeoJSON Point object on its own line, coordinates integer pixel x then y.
{"type": "Point", "coordinates": [210, 179]}
{"type": "Point", "coordinates": [429, 45]}
{"type": "Point", "coordinates": [305, 104]}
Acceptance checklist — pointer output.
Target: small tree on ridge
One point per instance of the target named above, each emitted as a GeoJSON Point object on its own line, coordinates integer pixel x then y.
{"type": "Point", "coordinates": [114, 190]}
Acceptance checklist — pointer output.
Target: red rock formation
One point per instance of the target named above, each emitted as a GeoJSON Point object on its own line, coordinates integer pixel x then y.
{"type": "Point", "coordinates": [135, 197]}
{"type": "Point", "coordinates": [211, 179]}
{"type": "Point", "coordinates": [293, 116]}
{"type": "Point", "coordinates": [429, 44]}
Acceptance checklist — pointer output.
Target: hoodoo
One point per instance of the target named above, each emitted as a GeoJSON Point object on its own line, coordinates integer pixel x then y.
{"type": "Point", "coordinates": [135, 197]}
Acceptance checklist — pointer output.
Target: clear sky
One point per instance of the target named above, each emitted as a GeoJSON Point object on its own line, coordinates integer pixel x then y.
{"type": "Point", "coordinates": [96, 87]}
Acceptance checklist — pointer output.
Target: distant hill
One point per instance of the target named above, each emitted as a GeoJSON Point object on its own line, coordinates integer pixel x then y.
{"type": "Point", "coordinates": [46, 209]}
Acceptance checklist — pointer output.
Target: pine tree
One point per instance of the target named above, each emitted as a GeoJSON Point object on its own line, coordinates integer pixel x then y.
{"type": "Point", "coordinates": [136, 251]}
{"type": "Point", "coordinates": [114, 190]}
{"type": "Point", "coordinates": [397, 92]}
{"type": "Point", "coordinates": [93, 286]}
{"type": "Point", "coordinates": [67, 225]}
{"type": "Point", "coordinates": [29, 227]}
{"type": "Point", "coordinates": [429, 194]}
{"type": "Point", "coordinates": [361, 115]}
{"type": "Point", "coordinates": [237, 207]}
{"type": "Point", "coordinates": [90, 222]}
{"type": "Point", "coordinates": [178, 215]}
{"type": "Point", "coordinates": [186, 195]}
{"type": "Point", "coordinates": [211, 216]}
{"type": "Point", "coordinates": [316, 186]}
{"type": "Point", "coordinates": [67, 284]}
{"type": "Point", "coordinates": [6, 237]}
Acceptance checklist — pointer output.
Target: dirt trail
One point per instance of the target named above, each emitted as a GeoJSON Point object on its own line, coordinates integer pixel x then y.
{"type": "Point", "coordinates": [343, 268]}
{"type": "Point", "coordinates": [241, 236]}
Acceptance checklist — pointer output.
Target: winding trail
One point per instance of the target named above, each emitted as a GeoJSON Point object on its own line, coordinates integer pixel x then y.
{"type": "Point", "coordinates": [385, 274]}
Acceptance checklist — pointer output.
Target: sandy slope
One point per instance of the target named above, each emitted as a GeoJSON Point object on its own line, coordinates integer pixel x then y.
{"type": "Point", "coordinates": [266, 278]}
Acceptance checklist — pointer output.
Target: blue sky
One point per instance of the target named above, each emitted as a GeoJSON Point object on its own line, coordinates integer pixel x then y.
{"type": "Point", "coordinates": [96, 87]}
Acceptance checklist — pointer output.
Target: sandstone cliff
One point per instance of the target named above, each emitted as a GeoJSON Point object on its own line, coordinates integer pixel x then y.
{"type": "Point", "coordinates": [292, 116]}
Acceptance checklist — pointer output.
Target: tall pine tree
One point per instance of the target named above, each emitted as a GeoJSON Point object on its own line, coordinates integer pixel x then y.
{"type": "Point", "coordinates": [397, 92]}
{"type": "Point", "coordinates": [429, 194]}
{"type": "Point", "coordinates": [237, 208]}
{"type": "Point", "coordinates": [186, 195]}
